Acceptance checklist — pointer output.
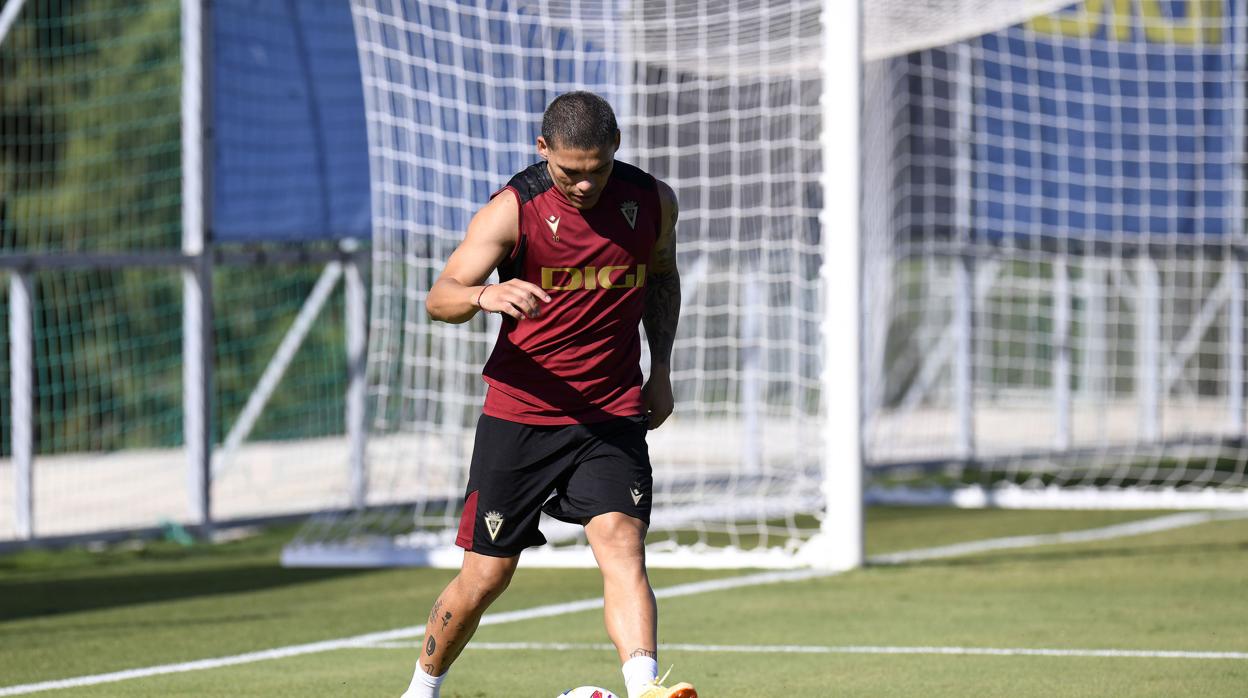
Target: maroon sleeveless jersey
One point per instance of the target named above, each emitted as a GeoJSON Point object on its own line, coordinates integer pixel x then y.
{"type": "Point", "coordinates": [579, 361]}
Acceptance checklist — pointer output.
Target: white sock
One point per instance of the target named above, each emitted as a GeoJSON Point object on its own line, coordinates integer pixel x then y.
{"type": "Point", "coordinates": [639, 672]}
{"type": "Point", "coordinates": [424, 685]}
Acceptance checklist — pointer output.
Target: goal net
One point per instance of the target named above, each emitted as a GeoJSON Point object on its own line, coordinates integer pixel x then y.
{"type": "Point", "coordinates": [1052, 214]}
{"type": "Point", "coordinates": [1055, 314]}
{"type": "Point", "coordinates": [92, 417]}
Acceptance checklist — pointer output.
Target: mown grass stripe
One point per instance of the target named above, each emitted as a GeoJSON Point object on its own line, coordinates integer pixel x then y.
{"type": "Point", "coordinates": [846, 649]}
{"type": "Point", "coordinates": [1163, 523]}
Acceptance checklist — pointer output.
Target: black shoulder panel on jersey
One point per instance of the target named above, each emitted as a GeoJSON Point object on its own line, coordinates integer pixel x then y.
{"type": "Point", "coordinates": [531, 181]}
{"type": "Point", "coordinates": [633, 175]}
{"type": "Point", "coordinates": [514, 264]}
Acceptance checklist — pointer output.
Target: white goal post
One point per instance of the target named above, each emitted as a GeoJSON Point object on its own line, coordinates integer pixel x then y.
{"type": "Point", "coordinates": [1016, 281]}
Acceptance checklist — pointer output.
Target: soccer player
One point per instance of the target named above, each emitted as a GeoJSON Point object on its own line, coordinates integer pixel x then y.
{"type": "Point", "coordinates": [585, 250]}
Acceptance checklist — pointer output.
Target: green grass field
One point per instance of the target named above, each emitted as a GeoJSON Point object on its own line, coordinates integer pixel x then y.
{"type": "Point", "coordinates": [75, 613]}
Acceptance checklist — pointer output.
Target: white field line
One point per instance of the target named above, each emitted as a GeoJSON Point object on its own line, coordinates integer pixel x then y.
{"type": "Point", "coordinates": [843, 649]}
{"type": "Point", "coordinates": [370, 639]}
{"type": "Point", "coordinates": [1132, 528]}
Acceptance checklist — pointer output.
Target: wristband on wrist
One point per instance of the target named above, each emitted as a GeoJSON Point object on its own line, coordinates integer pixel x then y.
{"type": "Point", "coordinates": [482, 293]}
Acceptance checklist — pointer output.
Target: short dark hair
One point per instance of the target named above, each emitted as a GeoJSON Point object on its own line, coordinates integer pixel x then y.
{"type": "Point", "coordinates": [579, 120]}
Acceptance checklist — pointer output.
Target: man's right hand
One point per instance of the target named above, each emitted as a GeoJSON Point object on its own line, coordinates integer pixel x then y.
{"type": "Point", "coordinates": [519, 299]}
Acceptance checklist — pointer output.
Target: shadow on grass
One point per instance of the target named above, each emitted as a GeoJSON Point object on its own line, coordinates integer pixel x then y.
{"type": "Point", "coordinates": [47, 597]}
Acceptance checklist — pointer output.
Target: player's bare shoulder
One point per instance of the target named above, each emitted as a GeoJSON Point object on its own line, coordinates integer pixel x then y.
{"type": "Point", "coordinates": [498, 220]}
{"type": "Point", "coordinates": [663, 259]}
{"type": "Point", "coordinates": [669, 204]}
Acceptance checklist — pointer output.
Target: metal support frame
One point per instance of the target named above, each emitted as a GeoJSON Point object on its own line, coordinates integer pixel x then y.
{"type": "Point", "coordinates": [273, 373]}
{"type": "Point", "coordinates": [357, 386]}
{"type": "Point", "coordinates": [1094, 289]}
{"type": "Point", "coordinates": [1233, 268]}
{"type": "Point", "coordinates": [1233, 275]}
{"type": "Point", "coordinates": [964, 266]}
{"type": "Point", "coordinates": [963, 356]}
{"type": "Point", "coordinates": [938, 356]}
{"type": "Point", "coordinates": [21, 386]}
{"type": "Point", "coordinates": [197, 258]}
{"type": "Point", "coordinates": [1148, 351]}
{"type": "Point", "coordinates": [1061, 355]}
{"type": "Point", "coordinates": [197, 278]}
{"type": "Point", "coordinates": [97, 261]}
{"type": "Point", "coordinates": [1211, 307]}
{"type": "Point", "coordinates": [753, 310]}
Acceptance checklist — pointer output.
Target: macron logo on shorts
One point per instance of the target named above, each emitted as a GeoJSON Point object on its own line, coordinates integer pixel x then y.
{"type": "Point", "coordinates": [635, 490]}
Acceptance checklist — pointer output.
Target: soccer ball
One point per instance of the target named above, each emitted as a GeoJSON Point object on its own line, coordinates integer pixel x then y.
{"type": "Point", "coordinates": [586, 692]}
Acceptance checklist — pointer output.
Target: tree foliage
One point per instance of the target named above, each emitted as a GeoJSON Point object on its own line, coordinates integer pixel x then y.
{"type": "Point", "coordinates": [90, 161]}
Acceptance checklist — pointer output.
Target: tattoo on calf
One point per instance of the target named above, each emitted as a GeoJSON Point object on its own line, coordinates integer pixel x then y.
{"type": "Point", "coordinates": [446, 618]}
{"type": "Point", "coordinates": [639, 652]}
{"type": "Point", "coordinates": [429, 669]}
{"type": "Point", "coordinates": [430, 646]}
{"type": "Point", "coordinates": [433, 614]}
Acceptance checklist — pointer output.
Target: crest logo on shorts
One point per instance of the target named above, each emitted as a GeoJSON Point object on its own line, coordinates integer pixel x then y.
{"type": "Point", "coordinates": [493, 523]}
{"type": "Point", "coordinates": [629, 209]}
{"type": "Point", "coordinates": [635, 490]}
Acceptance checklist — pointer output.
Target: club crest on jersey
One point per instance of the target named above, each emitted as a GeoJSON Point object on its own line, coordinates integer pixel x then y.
{"type": "Point", "coordinates": [553, 223]}
{"type": "Point", "coordinates": [493, 523]}
{"type": "Point", "coordinates": [629, 209]}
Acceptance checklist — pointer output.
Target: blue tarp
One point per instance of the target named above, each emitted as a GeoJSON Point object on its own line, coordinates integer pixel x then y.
{"type": "Point", "coordinates": [1108, 134]}
{"type": "Point", "coordinates": [291, 150]}
{"type": "Point", "coordinates": [290, 144]}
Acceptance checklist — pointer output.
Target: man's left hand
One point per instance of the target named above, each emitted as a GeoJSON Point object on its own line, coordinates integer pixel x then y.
{"type": "Point", "coordinates": [656, 398]}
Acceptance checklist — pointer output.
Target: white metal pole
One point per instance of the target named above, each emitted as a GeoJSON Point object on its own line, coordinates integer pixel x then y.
{"type": "Point", "coordinates": [751, 335]}
{"type": "Point", "coordinates": [841, 104]}
{"type": "Point", "coordinates": [197, 279]}
{"type": "Point", "coordinates": [1148, 347]}
{"type": "Point", "coordinates": [1061, 354]}
{"type": "Point", "coordinates": [963, 365]}
{"type": "Point", "coordinates": [357, 358]}
{"type": "Point", "coordinates": [1234, 269]}
{"type": "Point", "coordinates": [964, 268]}
{"type": "Point", "coordinates": [21, 386]}
{"type": "Point", "coordinates": [1234, 266]}
{"type": "Point", "coordinates": [21, 366]}
{"type": "Point", "coordinates": [8, 17]}
{"type": "Point", "coordinates": [1094, 288]}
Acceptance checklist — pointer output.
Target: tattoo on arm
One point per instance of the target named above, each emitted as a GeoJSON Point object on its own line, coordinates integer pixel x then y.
{"type": "Point", "coordinates": [662, 307]}
{"type": "Point", "coordinates": [661, 314]}
{"type": "Point", "coordinates": [639, 652]}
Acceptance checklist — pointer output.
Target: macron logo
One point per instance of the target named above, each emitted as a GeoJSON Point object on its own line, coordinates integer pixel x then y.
{"type": "Point", "coordinates": [553, 224]}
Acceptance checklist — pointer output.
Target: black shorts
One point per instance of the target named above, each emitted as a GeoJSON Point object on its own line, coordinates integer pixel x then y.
{"type": "Point", "coordinates": [591, 469]}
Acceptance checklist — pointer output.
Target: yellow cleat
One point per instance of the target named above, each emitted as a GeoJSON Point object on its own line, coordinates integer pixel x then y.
{"type": "Point", "coordinates": [680, 690]}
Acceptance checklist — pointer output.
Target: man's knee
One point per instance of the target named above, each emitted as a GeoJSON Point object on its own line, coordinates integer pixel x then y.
{"type": "Point", "coordinates": [484, 578]}
{"type": "Point", "coordinates": [617, 535]}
